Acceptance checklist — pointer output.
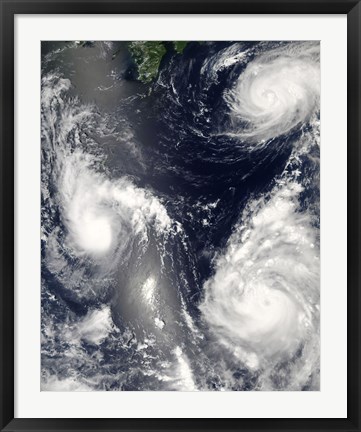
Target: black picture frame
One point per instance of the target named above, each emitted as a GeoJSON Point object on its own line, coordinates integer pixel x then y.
{"type": "Point", "coordinates": [8, 10]}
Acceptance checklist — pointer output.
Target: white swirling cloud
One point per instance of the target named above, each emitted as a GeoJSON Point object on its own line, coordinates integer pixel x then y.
{"type": "Point", "coordinates": [276, 92]}
{"type": "Point", "coordinates": [262, 301]}
{"type": "Point", "coordinates": [100, 214]}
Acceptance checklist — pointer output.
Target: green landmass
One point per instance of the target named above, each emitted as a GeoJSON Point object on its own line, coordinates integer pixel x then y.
{"type": "Point", "coordinates": [147, 56]}
{"type": "Point", "coordinates": [179, 46]}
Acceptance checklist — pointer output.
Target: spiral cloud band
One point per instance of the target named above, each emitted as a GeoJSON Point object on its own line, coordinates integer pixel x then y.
{"type": "Point", "coordinates": [263, 299]}
{"type": "Point", "coordinates": [276, 92]}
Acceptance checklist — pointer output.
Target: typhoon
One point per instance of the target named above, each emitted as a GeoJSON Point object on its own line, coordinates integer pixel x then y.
{"type": "Point", "coordinates": [180, 218]}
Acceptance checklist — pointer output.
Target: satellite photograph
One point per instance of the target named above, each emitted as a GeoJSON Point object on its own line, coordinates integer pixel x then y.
{"type": "Point", "coordinates": [180, 216]}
